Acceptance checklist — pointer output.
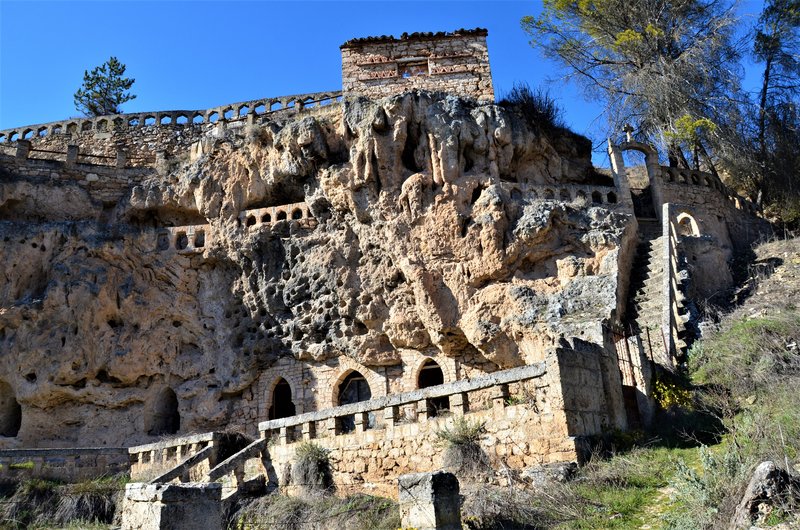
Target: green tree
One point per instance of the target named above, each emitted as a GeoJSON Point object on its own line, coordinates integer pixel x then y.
{"type": "Point", "coordinates": [655, 63]}
{"type": "Point", "coordinates": [104, 89]}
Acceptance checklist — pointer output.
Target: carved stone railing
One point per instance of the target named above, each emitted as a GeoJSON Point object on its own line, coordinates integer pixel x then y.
{"type": "Point", "coordinates": [388, 407]}
{"type": "Point", "coordinates": [23, 150]}
{"type": "Point", "coordinates": [571, 193]}
{"type": "Point", "coordinates": [671, 293]}
{"type": "Point", "coordinates": [151, 460]}
{"type": "Point", "coordinates": [192, 239]}
{"type": "Point", "coordinates": [297, 211]}
{"type": "Point", "coordinates": [674, 175]}
{"type": "Point", "coordinates": [224, 113]}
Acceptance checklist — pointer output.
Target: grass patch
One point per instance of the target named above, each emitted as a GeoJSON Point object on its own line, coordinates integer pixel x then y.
{"type": "Point", "coordinates": [463, 454]}
{"type": "Point", "coordinates": [311, 469]}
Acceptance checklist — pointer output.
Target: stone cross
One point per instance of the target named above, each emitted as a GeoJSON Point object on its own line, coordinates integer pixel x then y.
{"type": "Point", "coordinates": [628, 130]}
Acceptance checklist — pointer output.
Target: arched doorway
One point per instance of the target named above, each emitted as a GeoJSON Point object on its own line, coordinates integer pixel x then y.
{"type": "Point", "coordinates": [686, 225]}
{"type": "Point", "coordinates": [10, 411]}
{"type": "Point", "coordinates": [164, 416]}
{"type": "Point", "coordinates": [431, 375]}
{"type": "Point", "coordinates": [282, 405]}
{"type": "Point", "coordinates": [353, 389]}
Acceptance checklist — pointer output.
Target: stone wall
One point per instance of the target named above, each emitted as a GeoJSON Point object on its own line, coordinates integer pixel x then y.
{"type": "Point", "coordinates": [456, 63]}
{"type": "Point", "coordinates": [68, 465]}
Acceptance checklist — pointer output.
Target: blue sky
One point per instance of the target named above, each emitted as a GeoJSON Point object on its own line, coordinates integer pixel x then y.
{"type": "Point", "coordinates": [195, 55]}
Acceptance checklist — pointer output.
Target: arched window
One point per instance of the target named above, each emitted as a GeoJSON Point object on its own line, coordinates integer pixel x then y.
{"type": "Point", "coordinates": [353, 389]}
{"type": "Point", "coordinates": [282, 405]}
{"type": "Point", "coordinates": [686, 225]}
{"type": "Point", "coordinates": [431, 375]}
{"type": "Point", "coordinates": [164, 417]}
{"type": "Point", "coordinates": [10, 411]}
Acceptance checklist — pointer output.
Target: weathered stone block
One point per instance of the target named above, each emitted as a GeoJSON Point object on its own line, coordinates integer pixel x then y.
{"type": "Point", "coordinates": [430, 501]}
{"type": "Point", "coordinates": [172, 506]}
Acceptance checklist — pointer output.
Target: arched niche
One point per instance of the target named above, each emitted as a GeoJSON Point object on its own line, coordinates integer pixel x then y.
{"type": "Point", "coordinates": [686, 225]}
{"type": "Point", "coordinates": [282, 405]}
{"type": "Point", "coordinates": [10, 411]}
{"type": "Point", "coordinates": [352, 388]}
{"type": "Point", "coordinates": [431, 374]}
{"type": "Point", "coordinates": [163, 416]}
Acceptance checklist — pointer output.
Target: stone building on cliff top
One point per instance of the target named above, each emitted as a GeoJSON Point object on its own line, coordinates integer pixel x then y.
{"type": "Point", "coordinates": [352, 267]}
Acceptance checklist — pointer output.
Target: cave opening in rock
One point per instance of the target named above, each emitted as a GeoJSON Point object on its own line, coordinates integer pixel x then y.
{"type": "Point", "coordinates": [353, 389]}
{"type": "Point", "coordinates": [10, 411]}
{"type": "Point", "coordinates": [282, 405]}
{"type": "Point", "coordinates": [164, 417]}
{"type": "Point", "coordinates": [431, 375]}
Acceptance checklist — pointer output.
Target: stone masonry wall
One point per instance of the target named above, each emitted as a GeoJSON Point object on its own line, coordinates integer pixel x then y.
{"type": "Point", "coordinates": [68, 465]}
{"type": "Point", "coordinates": [456, 63]}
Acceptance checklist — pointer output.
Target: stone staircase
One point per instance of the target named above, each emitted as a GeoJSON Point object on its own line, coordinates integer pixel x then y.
{"type": "Point", "coordinates": [646, 296]}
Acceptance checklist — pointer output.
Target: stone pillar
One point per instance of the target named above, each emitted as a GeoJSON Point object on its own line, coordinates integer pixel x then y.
{"type": "Point", "coordinates": [422, 410]}
{"type": "Point", "coordinates": [251, 118]}
{"type": "Point", "coordinates": [331, 426]}
{"type": "Point", "coordinates": [430, 501]}
{"type": "Point", "coordinates": [283, 436]}
{"type": "Point", "coordinates": [500, 397]}
{"type": "Point", "coordinates": [619, 174]}
{"type": "Point", "coordinates": [361, 421]}
{"type": "Point", "coordinates": [72, 155]}
{"type": "Point", "coordinates": [23, 149]}
{"type": "Point", "coordinates": [161, 162]}
{"type": "Point", "coordinates": [122, 158]}
{"type": "Point", "coordinates": [172, 506]}
{"type": "Point", "coordinates": [459, 403]}
{"type": "Point", "coordinates": [390, 415]}
{"type": "Point", "coordinates": [309, 431]}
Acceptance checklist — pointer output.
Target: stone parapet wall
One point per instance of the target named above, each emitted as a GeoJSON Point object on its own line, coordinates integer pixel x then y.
{"type": "Point", "coordinates": [582, 194]}
{"type": "Point", "coordinates": [456, 63]}
{"type": "Point", "coordinates": [150, 460]}
{"type": "Point", "coordinates": [68, 465]}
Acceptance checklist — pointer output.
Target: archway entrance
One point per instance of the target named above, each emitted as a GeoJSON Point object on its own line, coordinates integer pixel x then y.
{"type": "Point", "coordinates": [353, 389]}
{"type": "Point", "coordinates": [431, 375]}
{"type": "Point", "coordinates": [282, 405]}
{"type": "Point", "coordinates": [164, 417]}
{"type": "Point", "coordinates": [10, 411]}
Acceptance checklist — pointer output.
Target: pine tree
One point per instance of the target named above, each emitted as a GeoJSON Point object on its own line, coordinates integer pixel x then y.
{"type": "Point", "coordinates": [104, 89]}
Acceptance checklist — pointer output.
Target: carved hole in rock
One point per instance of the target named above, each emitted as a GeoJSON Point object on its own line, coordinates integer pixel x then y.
{"type": "Point", "coordinates": [10, 411]}
{"type": "Point", "coordinates": [431, 375]}
{"type": "Point", "coordinates": [164, 417]}
{"type": "Point", "coordinates": [149, 120]}
{"type": "Point", "coordinates": [31, 377]}
{"type": "Point", "coordinates": [297, 214]}
{"type": "Point", "coordinates": [182, 120]}
{"type": "Point", "coordinates": [476, 194]}
{"type": "Point", "coordinates": [114, 323]}
{"type": "Point", "coordinates": [198, 118]}
{"type": "Point", "coordinates": [282, 405]}
{"type": "Point", "coordinates": [468, 162]}
{"type": "Point", "coordinates": [281, 216]}
{"type": "Point", "coordinates": [251, 220]}
{"type": "Point", "coordinates": [353, 389]}
{"type": "Point", "coordinates": [200, 239]}
{"type": "Point", "coordinates": [465, 224]}
{"type": "Point", "coordinates": [597, 198]}
{"type": "Point", "coordinates": [181, 242]}
{"type": "Point", "coordinates": [516, 194]}
{"type": "Point", "coordinates": [407, 157]}
{"type": "Point", "coordinates": [162, 241]}
{"type": "Point", "coordinates": [611, 197]}
{"type": "Point", "coordinates": [266, 218]}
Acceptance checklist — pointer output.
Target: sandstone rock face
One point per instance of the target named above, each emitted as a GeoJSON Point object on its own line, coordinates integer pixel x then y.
{"type": "Point", "coordinates": [424, 239]}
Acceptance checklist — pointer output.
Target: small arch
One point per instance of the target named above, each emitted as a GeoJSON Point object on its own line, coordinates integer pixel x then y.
{"type": "Point", "coordinates": [243, 110]}
{"type": "Point", "coordinates": [41, 132]}
{"type": "Point", "coordinates": [597, 198]}
{"type": "Point", "coordinates": [709, 182]}
{"type": "Point", "coordinates": [182, 119]}
{"type": "Point", "coordinates": [353, 388]}
{"type": "Point", "coordinates": [324, 102]}
{"type": "Point", "coordinates": [102, 125]}
{"type": "Point", "coordinates": [27, 134]}
{"type": "Point", "coordinates": [57, 129]}
{"type": "Point", "coordinates": [251, 220]}
{"type": "Point", "coordinates": [307, 103]}
{"type": "Point", "coordinates": [431, 374]}
{"type": "Point", "coordinates": [133, 122]}
{"type": "Point", "coordinates": [163, 417]}
{"type": "Point", "coordinates": [213, 117]}
{"type": "Point", "coordinates": [149, 120]}
{"type": "Point", "coordinates": [162, 240]}
{"type": "Point", "coordinates": [281, 216]}
{"type": "Point", "coordinates": [282, 405]}
{"type": "Point", "coordinates": [197, 118]}
{"type": "Point", "coordinates": [2, 138]}
{"type": "Point", "coordinates": [199, 239]}
{"type": "Point", "coordinates": [683, 177]}
{"type": "Point", "coordinates": [227, 113]}
{"type": "Point", "coordinates": [297, 214]}
{"type": "Point", "coordinates": [564, 195]}
{"type": "Point", "coordinates": [14, 136]}
{"type": "Point", "coordinates": [580, 195]}
{"type": "Point", "coordinates": [686, 225]}
{"type": "Point", "coordinates": [72, 128]}
{"type": "Point", "coordinates": [275, 105]}
{"type": "Point", "coordinates": [290, 105]}
{"type": "Point", "coordinates": [86, 126]}
{"type": "Point", "coordinates": [165, 120]}
{"type": "Point", "coordinates": [181, 241]}
{"type": "Point", "coordinates": [260, 109]}
{"type": "Point", "coordinates": [549, 195]}
{"type": "Point", "coordinates": [611, 197]}
{"type": "Point", "coordinates": [10, 411]}
{"type": "Point", "coordinates": [695, 178]}
{"type": "Point", "coordinates": [266, 218]}
{"type": "Point", "coordinates": [118, 122]}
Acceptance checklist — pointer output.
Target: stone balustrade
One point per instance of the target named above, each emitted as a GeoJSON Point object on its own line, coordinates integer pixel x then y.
{"type": "Point", "coordinates": [191, 239]}
{"type": "Point", "coordinates": [674, 175]}
{"type": "Point", "coordinates": [150, 460]}
{"type": "Point", "coordinates": [571, 193]}
{"type": "Point", "coordinates": [386, 410]}
{"type": "Point", "coordinates": [297, 211]}
{"type": "Point", "coordinates": [23, 150]}
{"type": "Point", "coordinates": [68, 465]}
{"type": "Point", "coordinates": [223, 113]}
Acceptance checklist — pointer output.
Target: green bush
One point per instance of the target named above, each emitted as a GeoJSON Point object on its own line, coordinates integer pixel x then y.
{"type": "Point", "coordinates": [311, 469]}
{"type": "Point", "coordinates": [463, 454]}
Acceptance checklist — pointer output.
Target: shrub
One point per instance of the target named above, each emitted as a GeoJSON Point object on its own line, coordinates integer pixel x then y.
{"type": "Point", "coordinates": [463, 454]}
{"type": "Point", "coordinates": [538, 108]}
{"type": "Point", "coordinates": [311, 470]}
